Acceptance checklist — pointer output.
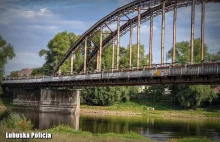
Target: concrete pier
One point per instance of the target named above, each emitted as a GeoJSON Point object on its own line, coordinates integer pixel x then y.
{"type": "Point", "coordinates": [48, 100]}
{"type": "Point", "coordinates": [65, 101]}
{"type": "Point", "coordinates": [26, 97]}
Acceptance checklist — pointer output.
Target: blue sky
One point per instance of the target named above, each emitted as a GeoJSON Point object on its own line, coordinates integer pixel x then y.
{"type": "Point", "coordinates": [29, 24]}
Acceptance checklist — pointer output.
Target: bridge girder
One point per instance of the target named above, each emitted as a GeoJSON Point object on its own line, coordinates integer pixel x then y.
{"type": "Point", "coordinates": [154, 9]}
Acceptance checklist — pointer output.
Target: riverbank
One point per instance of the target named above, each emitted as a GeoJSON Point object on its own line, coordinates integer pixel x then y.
{"type": "Point", "coordinates": [131, 108]}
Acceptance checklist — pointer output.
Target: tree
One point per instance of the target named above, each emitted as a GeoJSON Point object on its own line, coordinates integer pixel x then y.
{"type": "Point", "coordinates": [6, 53]}
{"type": "Point", "coordinates": [190, 96]}
{"type": "Point", "coordinates": [193, 96]}
{"type": "Point", "coordinates": [155, 92]}
{"type": "Point", "coordinates": [14, 74]}
{"type": "Point", "coordinates": [183, 51]}
{"type": "Point", "coordinates": [37, 72]}
{"type": "Point", "coordinates": [57, 47]}
{"type": "Point", "coordinates": [213, 57]}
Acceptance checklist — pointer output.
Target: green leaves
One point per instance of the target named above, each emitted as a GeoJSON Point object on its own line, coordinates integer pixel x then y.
{"type": "Point", "coordinates": [193, 96]}
{"type": "Point", "coordinates": [183, 51]}
{"type": "Point", "coordinates": [6, 53]}
{"type": "Point", "coordinates": [57, 47]}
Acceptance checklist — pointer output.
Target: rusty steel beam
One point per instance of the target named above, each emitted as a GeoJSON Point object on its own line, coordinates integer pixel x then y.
{"type": "Point", "coordinates": [130, 46]}
{"type": "Point", "coordinates": [100, 49]}
{"type": "Point", "coordinates": [174, 35]}
{"type": "Point", "coordinates": [151, 41]}
{"type": "Point", "coordinates": [71, 64]}
{"type": "Point", "coordinates": [85, 55]}
{"type": "Point", "coordinates": [113, 54]}
{"type": "Point", "coordinates": [162, 33]}
{"type": "Point", "coordinates": [192, 32]}
{"type": "Point", "coordinates": [202, 31]}
{"type": "Point", "coordinates": [118, 43]}
{"type": "Point", "coordinates": [138, 36]}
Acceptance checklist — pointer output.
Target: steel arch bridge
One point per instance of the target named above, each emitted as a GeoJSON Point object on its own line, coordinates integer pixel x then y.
{"type": "Point", "coordinates": [204, 73]}
{"type": "Point", "coordinates": [147, 10]}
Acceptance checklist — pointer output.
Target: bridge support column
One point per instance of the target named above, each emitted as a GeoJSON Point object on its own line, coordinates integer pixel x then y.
{"type": "Point", "coordinates": [202, 31]}
{"type": "Point", "coordinates": [85, 55]}
{"type": "Point", "coordinates": [118, 43]}
{"type": "Point", "coordinates": [26, 97]}
{"type": "Point", "coordinates": [151, 41]}
{"type": "Point", "coordinates": [113, 54]}
{"type": "Point", "coordinates": [130, 45]}
{"type": "Point", "coordinates": [57, 100]}
{"type": "Point", "coordinates": [174, 36]}
{"type": "Point", "coordinates": [163, 33]}
{"type": "Point", "coordinates": [192, 33]}
{"type": "Point", "coordinates": [138, 36]}
{"type": "Point", "coordinates": [71, 64]}
{"type": "Point", "coordinates": [99, 54]}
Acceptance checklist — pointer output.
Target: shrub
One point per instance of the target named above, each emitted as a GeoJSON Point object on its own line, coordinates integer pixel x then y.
{"type": "Point", "coordinates": [15, 121]}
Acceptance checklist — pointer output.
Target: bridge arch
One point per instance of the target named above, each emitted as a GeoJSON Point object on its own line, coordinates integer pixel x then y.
{"type": "Point", "coordinates": [154, 8]}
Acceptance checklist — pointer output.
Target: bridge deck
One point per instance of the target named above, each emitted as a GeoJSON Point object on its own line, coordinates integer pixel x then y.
{"type": "Point", "coordinates": [190, 74]}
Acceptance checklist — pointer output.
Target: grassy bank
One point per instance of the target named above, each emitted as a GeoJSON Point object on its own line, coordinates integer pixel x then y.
{"type": "Point", "coordinates": [159, 109]}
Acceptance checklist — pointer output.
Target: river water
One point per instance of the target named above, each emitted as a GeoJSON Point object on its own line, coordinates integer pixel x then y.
{"type": "Point", "coordinates": [156, 128]}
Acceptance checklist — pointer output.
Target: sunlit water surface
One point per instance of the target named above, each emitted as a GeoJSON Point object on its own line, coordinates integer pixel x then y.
{"type": "Point", "coordinates": [157, 128]}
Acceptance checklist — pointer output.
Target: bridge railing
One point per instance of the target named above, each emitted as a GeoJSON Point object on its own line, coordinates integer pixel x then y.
{"type": "Point", "coordinates": [183, 70]}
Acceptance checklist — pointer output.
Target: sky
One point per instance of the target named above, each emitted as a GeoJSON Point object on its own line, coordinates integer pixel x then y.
{"type": "Point", "coordinates": [29, 24]}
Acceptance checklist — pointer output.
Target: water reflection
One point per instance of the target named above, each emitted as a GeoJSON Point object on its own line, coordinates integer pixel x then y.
{"type": "Point", "coordinates": [156, 128]}
{"type": "Point", "coordinates": [44, 121]}
{"type": "Point", "coordinates": [48, 120]}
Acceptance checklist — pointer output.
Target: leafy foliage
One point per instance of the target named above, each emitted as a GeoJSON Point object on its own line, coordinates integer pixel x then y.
{"type": "Point", "coordinates": [193, 96]}
{"type": "Point", "coordinates": [183, 51]}
{"type": "Point", "coordinates": [105, 96]}
{"type": "Point", "coordinates": [15, 121]}
{"type": "Point", "coordinates": [14, 74]}
{"type": "Point", "coordinates": [57, 47]}
{"type": "Point", "coordinates": [37, 72]}
{"type": "Point", "coordinates": [6, 53]}
{"type": "Point", "coordinates": [155, 92]}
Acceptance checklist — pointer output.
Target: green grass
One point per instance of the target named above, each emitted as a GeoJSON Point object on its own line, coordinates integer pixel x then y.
{"type": "Point", "coordinates": [60, 132]}
{"type": "Point", "coordinates": [190, 140]}
{"type": "Point", "coordinates": [64, 129]}
{"type": "Point", "coordinates": [143, 107]}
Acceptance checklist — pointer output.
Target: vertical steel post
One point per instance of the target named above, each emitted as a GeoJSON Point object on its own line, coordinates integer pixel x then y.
{"type": "Point", "coordinates": [174, 36]}
{"type": "Point", "coordinates": [99, 53]}
{"type": "Point", "coordinates": [202, 31]}
{"type": "Point", "coordinates": [113, 54]}
{"type": "Point", "coordinates": [130, 45]}
{"type": "Point", "coordinates": [163, 33]}
{"type": "Point", "coordinates": [97, 60]}
{"type": "Point", "coordinates": [151, 41]}
{"type": "Point", "coordinates": [118, 43]}
{"type": "Point", "coordinates": [138, 36]}
{"type": "Point", "coordinates": [192, 33]}
{"type": "Point", "coordinates": [71, 64]}
{"type": "Point", "coordinates": [85, 55]}
{"type": "Point", "coordinates": [100, 49]}
{"type": "Point", "coordinates": [59, 71]}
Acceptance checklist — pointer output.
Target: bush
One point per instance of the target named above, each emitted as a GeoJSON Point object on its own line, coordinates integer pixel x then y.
{"type": "Point", "coordinates": [15, 121]}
